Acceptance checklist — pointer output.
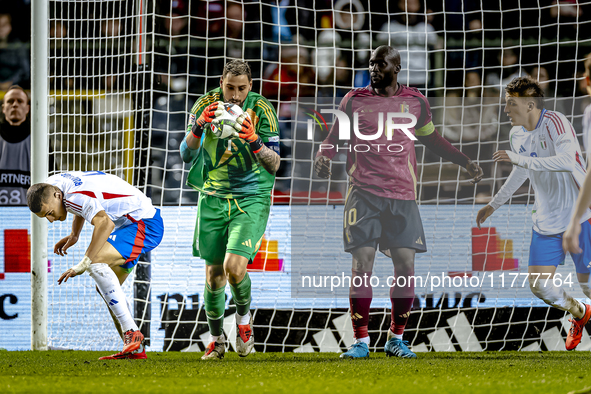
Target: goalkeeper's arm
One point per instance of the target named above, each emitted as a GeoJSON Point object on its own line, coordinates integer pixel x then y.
{"type": "Point", "coordinates": [269, 159]}
{"type": "Point", "coordinates": [192, 140]}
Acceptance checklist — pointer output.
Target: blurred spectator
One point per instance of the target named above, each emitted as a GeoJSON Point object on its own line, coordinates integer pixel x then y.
{"type": "Point", "coordinates": [231, 34]}
{"type": "Point", "coordinates": [509, 69]}
{"type": "Point", "coordinates": [552, 99]}
{"type": "Point", "coordinates": [57, 29]}
{"type": "Point", "coordinates": [236, 34]}
{"type": "Point", "coordinates": [459, 24]}
{"type": "Point", "coordinates": [412, 36]}
{"type": "Point", "coordinates": [472, 121]}
{"type": "Point", "coordinates": [235, 21]}
{"type": "Point", "coordinates": [172, 57]}
{"type": "Point", "coordinates": [360, 61]}
{"type": "Point", "coordinates": [471, 118]}
{"type": "Point", "coordinates": [334, 71]}
{"type": "Point", "coordinates": [111, 28]}
{"type": "Point", "coordinates": [565, 17]}
{"type": "Point", "coordinates": [15, 147]}
{"type": "Point", "coordinates": [14, 57]}
{"type": "Point", "coordinates": [61, 74]}
{"type": "Point", "coordinates": [280, 30]}
{"type": "Point", "coordinates": [291, 78]}
{"type": "Point", "coordinates": [210, 18]}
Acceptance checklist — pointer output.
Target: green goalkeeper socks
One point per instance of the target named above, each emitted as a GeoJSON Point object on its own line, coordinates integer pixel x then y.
{"type": "Point", "coordinates": [241, 295]}
{"type": "Point", "coordinates": [215, 305]}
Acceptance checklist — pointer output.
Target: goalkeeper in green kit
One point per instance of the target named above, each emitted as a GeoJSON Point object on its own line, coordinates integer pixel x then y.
{"type": "Point", "coordinates": [235, 178]}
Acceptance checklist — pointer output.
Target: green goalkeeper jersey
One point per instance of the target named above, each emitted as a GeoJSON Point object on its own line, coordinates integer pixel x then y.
{"type": "Point", "coordinates": [227, 168]}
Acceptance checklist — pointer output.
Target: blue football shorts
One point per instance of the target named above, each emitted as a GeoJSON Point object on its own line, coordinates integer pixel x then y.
{"type": "Point", "coordinates": [139, 237]}
{"type": "Point", "coordinates": [547, 250]}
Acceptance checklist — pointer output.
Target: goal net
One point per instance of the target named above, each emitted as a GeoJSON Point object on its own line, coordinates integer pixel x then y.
{"type": "Point", "coordinates": [123, 76]}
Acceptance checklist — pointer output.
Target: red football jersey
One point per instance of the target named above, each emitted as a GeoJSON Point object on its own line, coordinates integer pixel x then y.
{"type": "Point", "coordinates": [386, 168]}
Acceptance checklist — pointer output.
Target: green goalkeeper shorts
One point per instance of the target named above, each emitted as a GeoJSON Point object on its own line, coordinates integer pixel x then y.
{"type": "Point", "coordinates": [228, 225]}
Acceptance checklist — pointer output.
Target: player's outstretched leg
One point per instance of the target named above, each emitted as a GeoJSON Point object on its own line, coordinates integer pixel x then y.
{"type": "Point", "coordinates": [244, 331]}
{"type": "Point", "coordinates": [576, 329]}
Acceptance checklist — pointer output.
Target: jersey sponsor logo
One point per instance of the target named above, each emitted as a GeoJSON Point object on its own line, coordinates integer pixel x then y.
{"type": "Point", "coordinates": [533, 154]}
{"type": "Point", "coordinates": [419, 241]}
{"type": "Point", "coordinates": [247, 243]}
{"type": "Point", "coordinates": [113, 302]}
{"type": "Point", "coordinates": [521, 149]}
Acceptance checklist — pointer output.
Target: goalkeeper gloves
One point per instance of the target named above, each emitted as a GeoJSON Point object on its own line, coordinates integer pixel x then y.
{"type": "Point", "coordinates": [207, 116]}
{"type": "Point", "coordinates": [247, 133]}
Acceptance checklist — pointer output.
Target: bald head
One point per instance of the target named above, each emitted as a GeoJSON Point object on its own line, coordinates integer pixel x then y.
{"type": "Point", "coordinates": [384, 66]}
{"type": "Point", "coordinates": [389, 53]}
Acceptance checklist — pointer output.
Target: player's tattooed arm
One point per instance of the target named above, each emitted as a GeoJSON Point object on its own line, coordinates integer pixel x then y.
{"type": "Point", "coordinates": [269, 159]}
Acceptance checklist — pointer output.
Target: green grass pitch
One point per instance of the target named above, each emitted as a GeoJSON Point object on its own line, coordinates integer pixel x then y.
{"type": "Point", "coordinates": [498, 372]}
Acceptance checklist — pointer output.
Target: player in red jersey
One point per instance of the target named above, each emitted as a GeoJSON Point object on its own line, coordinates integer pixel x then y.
{"type": "Point", "coordinates": [380, 208]}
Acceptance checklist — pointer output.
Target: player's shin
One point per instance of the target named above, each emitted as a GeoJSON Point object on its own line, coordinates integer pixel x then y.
{"type": "Point", "coordinates": [109, 287]}
{"type": "Point", "coordinates": [241, 295]}
{"type": "Point", "coordinates": [215, 305]}
{"type": "Point", "coordinates": [557, 297]}
{"type": "Point", "coordinates": [402, 297]}
{"type": "Point", "coordinates": [360, 296]}
{"type": "Point", "coordinates": [115, 321]}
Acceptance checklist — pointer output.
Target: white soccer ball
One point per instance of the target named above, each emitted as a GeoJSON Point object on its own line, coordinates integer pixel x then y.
{"type": "Point", "coordinates": [226, 123]}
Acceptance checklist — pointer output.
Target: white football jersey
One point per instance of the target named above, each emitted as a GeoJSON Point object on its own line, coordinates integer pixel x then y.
{"type": "Point", "coordinates": [88, 193]}
{"type": "Point", "coordinates": [550, 156]}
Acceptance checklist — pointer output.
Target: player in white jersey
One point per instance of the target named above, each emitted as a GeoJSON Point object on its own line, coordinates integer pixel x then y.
{"type": "Point", "coordinates": [545, 149]}
{"type": "Point", "coordinates": [125, 226]}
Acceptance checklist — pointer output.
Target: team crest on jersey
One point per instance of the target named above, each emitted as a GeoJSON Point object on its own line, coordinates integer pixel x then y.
{"type": "Point", "coordinates": [543, 142]}
{"type": "Point", "coordinates": [404, 107]}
